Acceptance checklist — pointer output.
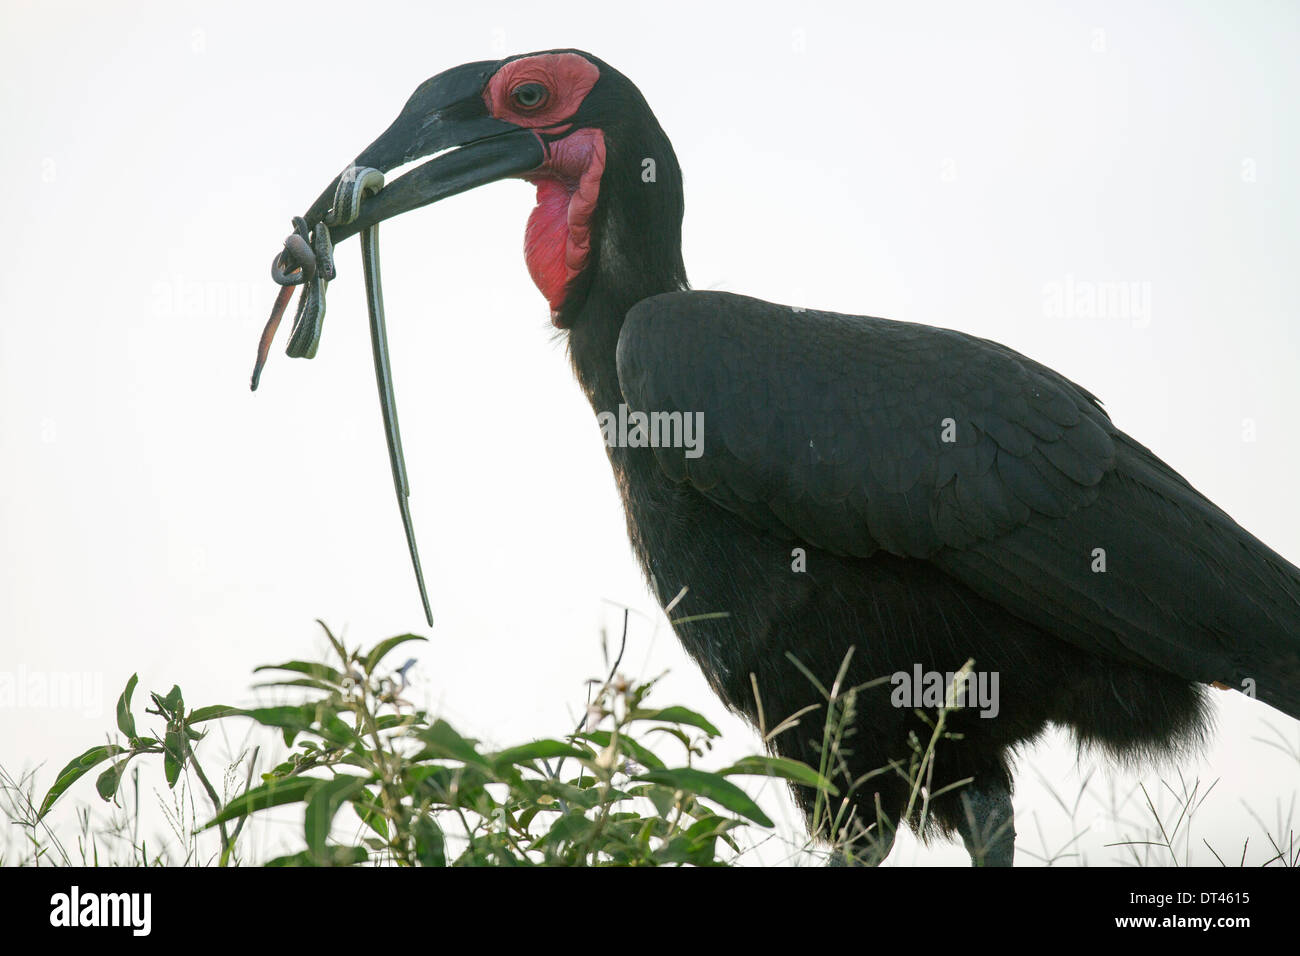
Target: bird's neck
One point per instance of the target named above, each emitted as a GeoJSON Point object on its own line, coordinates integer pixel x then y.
{"type": "Point", "coordinates": [630, 265]}
{"type": "Point", "coordinates": [635, 252]}
{"type": "Point", "coordinates": [593, 348]}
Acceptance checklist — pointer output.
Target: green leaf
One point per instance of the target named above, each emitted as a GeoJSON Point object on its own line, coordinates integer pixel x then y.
{"type": "Point", "coordinates": [173, 700]}
{"type": "Point", "coordinates": [537, 750]}
{"type": "Point", "coordinates": [783, 767]}
{"type": "Point", "coordinates": [214, 712]}
{"type": "Point", "coordinates": [352, 758]}
{"type": "Point", "coordinates": [171, 769]}
{"type": "Point", "coordinates": [663, 798]}
{"type": "Point", "coordinates": [292, 719]}
{"type": "Point", "coordinates": [323, 804]}
{"type": "Point", "coordinates": [461, 787]}
{"type": "Point", "coordinates": [125, 721]}
{"type": "Point", "coordinates": [380, 650]}
{"type": "Point", "coordinates": [677, 715]}
{"type": "Point", "coordinates": [698, 844]}
{"type": "Point", "coordinates": [334, 729]}
{"type": "Point", "coordinates": [300, 682]}
{"type": "Point", "coordinates": [710, 825]}
{"type": "Point", "coordinates": [570, 828]}
{"type": "Point", "coordinates": [173, 757]}
{"type": "Point", "coordinates": [108, 781]}
{"type": "Point", "coordinates": [274, 793]}
{"type": "Point", "coordinates": [526, 818]}
{"type": "Point", "coordinates": [710, 786]}
{"type": "Point", "coordinates": [371, 812]}
{"type": "Point", "coordinates": [77, 768]}
{"type": "Point", "coordinates": [321, 672]}
{"type": "Point", "coordinates": [442, 741]}
{"type": "Point", "coordinates": [337, 644]}
{"type": "Point", "coordinates": [545, 791]}
{"type": "Point", "coordinates": [390, 721]}
{"type": "Point", "coordinates": [672, 730]}
{"type": "Point", "coordinates": [633, 748]}
{"type": "Point", "coordinates": [430, 844]}
{"type": "Point", "coordinates": [334, 856]}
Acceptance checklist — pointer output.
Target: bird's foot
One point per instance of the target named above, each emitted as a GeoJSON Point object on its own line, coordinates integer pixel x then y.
{"type": "Point", "coordinates": [988, 826]}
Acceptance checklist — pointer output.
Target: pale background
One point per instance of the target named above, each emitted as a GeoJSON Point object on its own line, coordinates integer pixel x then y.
{"type": "Point", "coordinates": [945, 163]}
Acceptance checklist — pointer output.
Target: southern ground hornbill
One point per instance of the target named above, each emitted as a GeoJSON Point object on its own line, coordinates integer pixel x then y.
{"type": "Point", "coordinates": [919, 495]}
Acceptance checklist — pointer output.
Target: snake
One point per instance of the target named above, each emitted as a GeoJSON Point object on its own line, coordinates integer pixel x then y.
{"type": "Point", "coordinates": [307, 259]}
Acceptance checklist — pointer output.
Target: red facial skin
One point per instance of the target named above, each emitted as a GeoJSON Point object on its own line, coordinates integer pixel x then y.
{"type": "Point", "coordinates": [557, 241]}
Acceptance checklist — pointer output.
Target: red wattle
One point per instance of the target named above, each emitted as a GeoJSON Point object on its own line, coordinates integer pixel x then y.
{"type": "Point", "coordinates": [545, 238]}
{"type": "Point", "coordinates": [557, 240]}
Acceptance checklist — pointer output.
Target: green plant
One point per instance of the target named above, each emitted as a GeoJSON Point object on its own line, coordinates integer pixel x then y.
{"type": "Point", "coordinates": [422, 793]}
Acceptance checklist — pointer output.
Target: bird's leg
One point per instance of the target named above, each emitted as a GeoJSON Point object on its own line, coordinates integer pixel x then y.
{"type": "Point", "coordinates": [987, 826]}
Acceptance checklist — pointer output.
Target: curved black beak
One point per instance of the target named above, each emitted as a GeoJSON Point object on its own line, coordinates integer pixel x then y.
{"type": "Point", "coordinates": [445, 111]}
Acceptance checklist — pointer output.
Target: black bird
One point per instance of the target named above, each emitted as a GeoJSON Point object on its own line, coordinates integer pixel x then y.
{"type": "Point", "coordinates": [917, 494]}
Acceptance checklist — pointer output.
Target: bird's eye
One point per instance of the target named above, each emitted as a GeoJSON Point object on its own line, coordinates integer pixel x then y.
{"type": "Point", "coordinates": [529, 96]}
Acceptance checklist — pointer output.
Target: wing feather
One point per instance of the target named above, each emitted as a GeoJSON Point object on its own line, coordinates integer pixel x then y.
{"type": "Point", "coordinates": [832, 429]}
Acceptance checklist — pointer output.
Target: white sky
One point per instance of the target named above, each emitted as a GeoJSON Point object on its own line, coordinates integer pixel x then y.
{"type": "Point", "coordinates": [944, 163]}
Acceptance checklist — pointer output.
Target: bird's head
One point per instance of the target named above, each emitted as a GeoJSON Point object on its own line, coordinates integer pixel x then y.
{"type": "Point", "coordinates": [609, 195]}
